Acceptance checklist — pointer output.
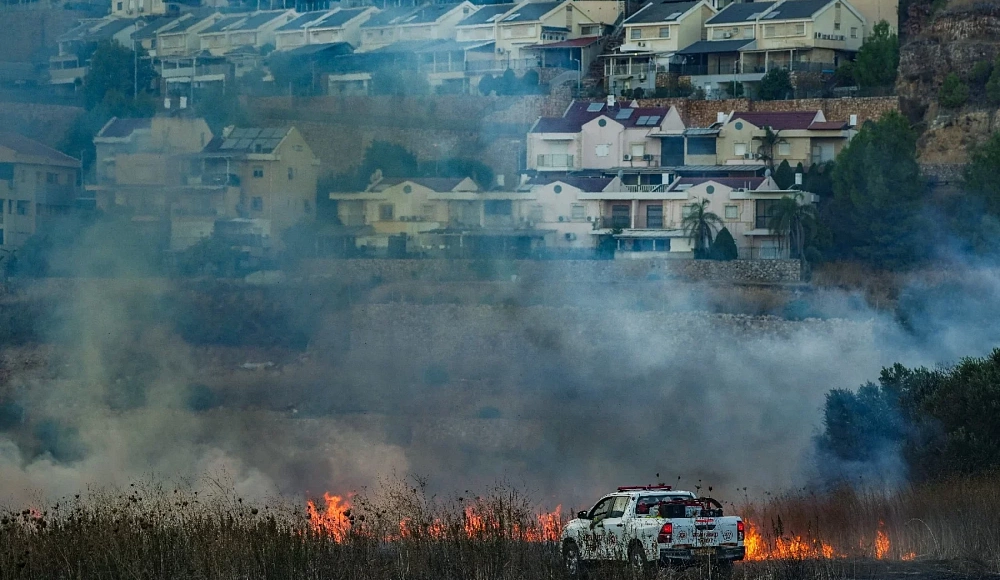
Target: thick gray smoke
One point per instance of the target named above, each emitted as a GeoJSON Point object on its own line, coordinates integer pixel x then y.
{"type": "Point", "coordinates": [567, 390]}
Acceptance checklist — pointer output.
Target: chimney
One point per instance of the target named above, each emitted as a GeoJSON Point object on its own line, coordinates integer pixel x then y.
{"type": "Point", "coordinates": [720, 117]}
{"type": "Point", "coordinates": [184, 102]}
{"type": "Point", "coordinates": [500, 179]}
{"type": "Point", "coordinates": [166, 103]}
{"type": "Point", "coordinates": [854, 121]}
{"type": "Point", "coordinates": [611, 101]}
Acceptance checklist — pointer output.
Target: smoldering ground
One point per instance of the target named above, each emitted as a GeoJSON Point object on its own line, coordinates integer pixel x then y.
{"type": "Point", "coordinates": [566, 396]}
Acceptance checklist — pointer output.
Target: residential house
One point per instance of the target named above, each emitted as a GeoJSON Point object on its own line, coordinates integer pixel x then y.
{"type": "Point", "coordinates": [479, 31]}
{"type": "Point", "coordinates": [603, 136]}
{"type": "Point", "coordinates": [276, 172]}
{"type": "Point", "coordinates": [69, 65]}
{"type": "Point", "coordinates": [804, 137]}
{"type": "Point", "coordinates": [137, 8]}
{"type": "Point", "coordinates": [556, 204]}
{"type": "Point", "coordinates": [534, 23]}
{"type": "Point", "coordinates": [244, 30]}
{"type": "Point", "coordinates": [747, 40]}
{"type": "Point", "coordinates": [323, 27]}
{"type": "Point", "coordinates": [145, 37]}
{"type": "Point", "coordinates": [650, 223]}
{"type": "Point", "coordinates": [181, 39]}
{"type": "Point", "coordinates": [36, 184]}
{"type": "Point", "coordinates": [653, 35]}
{"type": "Point", "coordinates": [423, 22]}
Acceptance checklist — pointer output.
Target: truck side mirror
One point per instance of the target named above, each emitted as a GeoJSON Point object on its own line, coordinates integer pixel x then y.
{"type": "Point", "coordinates": [582, 515]}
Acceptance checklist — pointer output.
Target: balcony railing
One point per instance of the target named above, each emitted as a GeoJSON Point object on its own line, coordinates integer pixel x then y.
{"type": "Point", "coordinates": [555, 160]}
{"type": "Point", "coordinates": [645, 188]}
{"type": "Point", "coordinates": [636, 69]}
{"type": "Point", "coordinates": [501, 65]}
{"type": "Point", "coordinates": [442, 67]}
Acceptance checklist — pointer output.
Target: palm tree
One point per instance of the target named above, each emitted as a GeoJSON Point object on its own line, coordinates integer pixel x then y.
{"type": "Point", "coordinates": [767, 144]}
{"type": "Point", "coordinates": [793, 220]}
{"type": "Point", "coordinates": [700, 226]}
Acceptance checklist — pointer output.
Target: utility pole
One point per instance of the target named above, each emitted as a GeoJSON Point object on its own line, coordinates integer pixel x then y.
{"type": "Point", "coordinates": [135, 63]}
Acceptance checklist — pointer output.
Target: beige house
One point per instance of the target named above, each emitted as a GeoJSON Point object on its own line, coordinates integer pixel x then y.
{"type": "Point", "coordinates": [653, 35]}
{"type": "Point", "coordinates": [181, 38]}
{"type": "Point", "coordinates": [744, 41]}
{"type": "Point", "coordinates": [243, 30]}
{"type": "Point", "coordinates": [36, 183]}
{"type": "Point", "coordinates": [533, 23]}
{"type": "Point", "coordinates": [424, 22]}
{"type": "Point", "coordinates": [649, 224]}
{"type": "Point", "coordinates": [602, 136]}
{"type": "Point", "coordinates": [323, 27]}
{"type": "Point", "coordinates": [137, 8]}
{"type": "Point", "coordinates": [804, 137]}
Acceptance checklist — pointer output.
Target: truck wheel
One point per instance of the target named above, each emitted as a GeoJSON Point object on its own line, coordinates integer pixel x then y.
{"type": "Point", "coordinates": [572, 561]}
{"type": "Point", "coordinates": [637, 561]}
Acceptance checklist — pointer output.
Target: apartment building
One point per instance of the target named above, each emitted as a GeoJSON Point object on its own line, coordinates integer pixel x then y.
{"type": "Point", "coordinates": [653, 35]}
{"type": "Point", "coordinates": [243, 30]}
{"type": "Point", "coordinates": [323, 27]}
{"type": "Point", "coordinates": [137, 8]}
{"type": "Point", "coordinates": [36, 184]}
{"type": "Point", "coordinates": [181, 39]}
{"type": "Point", "coordinates": [423, 22]}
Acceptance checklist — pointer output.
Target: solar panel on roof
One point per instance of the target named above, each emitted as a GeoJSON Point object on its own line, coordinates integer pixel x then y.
{"type": "Point", "coordinates": [673, 15]}
{"type": "Point", "coordinates": [624, 114]}
{"type": "Point", "coordinates": [512, 17]}
{"type": "Point", "coordinates": [244, 144]}
{"type": "Point", "coordinates": [272, 143]}
{"type": "Point", "coordinates": [594, 107]}
{"type": "Point", "coordinates": [266, 133]}
{"type": "Point", "coordinates": [252, 133]}
{"type": "Point", "coordinates": [238, 133]}
{"type": "Point", "coordinates": [653, 120]}
{"type": "Point", "coordinates": [228, 144]}
{"type": "Point", "coordinates": [772, 15]}
{"type": "Point", "coordinates": [642, 120]}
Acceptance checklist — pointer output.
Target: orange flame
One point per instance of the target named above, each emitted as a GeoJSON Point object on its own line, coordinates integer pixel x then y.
{"type": "Point", "coordinates": [333, 521]}
{"type": "Point", "coordinates": [801, 548]}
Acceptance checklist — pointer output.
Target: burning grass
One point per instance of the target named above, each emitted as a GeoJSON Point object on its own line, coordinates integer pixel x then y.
{"type": "Point", "coordinates": [398, 531]}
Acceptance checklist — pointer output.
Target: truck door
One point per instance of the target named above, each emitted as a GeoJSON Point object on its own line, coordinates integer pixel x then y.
{"type": "Point", "coordinates": [609, 533]}
{"type": "Point", "coordinates": [588, 538]}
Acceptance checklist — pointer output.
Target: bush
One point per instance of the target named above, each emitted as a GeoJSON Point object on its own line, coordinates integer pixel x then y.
{"type": "Point", "coordinates": [487, 85]}
{"type": "Point", "coordinates": [953, 93]}
{"type": "Point", "coordinates": [981, 72]}
{"type": "Point", "coordinates": [775, 85]}
{"type": "Point", "coordinates": [993, 85]}
{"type": "Point", "coordinates": [784, 176]}
{"type": "Point", "coordinates": [724, 246]}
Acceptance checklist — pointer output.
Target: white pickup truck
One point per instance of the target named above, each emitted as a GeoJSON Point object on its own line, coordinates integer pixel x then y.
{"type": "Point", "coordinates": [646, 526]}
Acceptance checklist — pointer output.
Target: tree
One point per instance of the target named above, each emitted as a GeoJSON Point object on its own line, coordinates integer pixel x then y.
{"type": "Point", "coordinates": [392, 159]}
{"type": "Point", "coordinates": [877, 62]}
{"type": "Point", "coordinates": [776, 84]}
{"type": "Point", "coordinates": [794, 221]}
{"type": "Point", "coordinates": [993, 85]}
{"type": "Point", "coordinates": [766, 150]}
{"type": "Point", "coordinates": [699, 227]}
{"type": "Point", "coordinates": [981, 176]}
{"type": "Point", "coordinates": [844, 75]}
{"type": "Point", "coordinates": [878, 196]}
{"type": "Point", "coordinates": [981, 72]}
{"type": "Point", "coordinates": [724, 246]}
{"type": "Point", "coordinates": [120, 79]}
{"type": "Point", "coordinates": [487, 85]}
{"type": "Point", "coordinates": [784, 176]}
{"type": "Point", "coordinates": [953, 93]}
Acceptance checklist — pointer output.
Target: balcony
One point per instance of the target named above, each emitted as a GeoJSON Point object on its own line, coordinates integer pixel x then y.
{"type": "Point", "coordinates": [645, 188]}
{"type": "Point", "coordinates": [517, 64]}
{"type": "Point", "coordinates": [353, 221]}
{"type": "Point", "coordinates": [554, 161]}
{"type": "Point", "coordinates": [642, 222]}
{"type": "Point", "coordinates": [51, 194]}
{"type": "Point", "coordinates": [442, 67]}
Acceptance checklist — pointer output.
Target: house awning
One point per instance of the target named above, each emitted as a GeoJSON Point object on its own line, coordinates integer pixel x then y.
{"type": "Point", "coordinates": [572, 43]}
{"type": "Point", "coordinates": [715, 46]}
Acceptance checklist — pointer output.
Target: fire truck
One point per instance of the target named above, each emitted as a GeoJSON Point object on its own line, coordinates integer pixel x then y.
{"type": "Point", "coordinates": [649, 526]}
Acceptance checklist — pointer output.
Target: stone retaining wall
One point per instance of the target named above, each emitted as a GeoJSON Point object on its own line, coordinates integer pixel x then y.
{"type": "Point", "coordinates": [737, 271]}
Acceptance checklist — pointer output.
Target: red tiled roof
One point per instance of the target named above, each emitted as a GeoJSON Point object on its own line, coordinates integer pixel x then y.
{"type": "Point", "coordinates": [572, 43]}
{"type": "Point", "coordinates": [829, 126]}
{"type": "Point", "coordinates": [30, 151]}
{"type": "Point", "coordinates": [578, 115]}
{"type": "Point", "coordinates": [733, 182]}
{"type": "Point", "coordinates": [124, 127]}
{"type": "Point", "coordinates": [778, 121]}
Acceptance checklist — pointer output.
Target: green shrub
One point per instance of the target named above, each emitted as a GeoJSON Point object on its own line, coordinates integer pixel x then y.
{"type": "Point", "coordinates": [775, 85]}
{"type": "Point", "coordinates": [724, 246]}
{"type": "Point", "coordinates": [953, 93]}
{"type": "Point", "coordinates": [981, 72]}
{"type": "Point", "coordinates": [993, 85]}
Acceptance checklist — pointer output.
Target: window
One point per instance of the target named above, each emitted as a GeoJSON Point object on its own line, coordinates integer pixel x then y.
{"type": "Point", "coordinates": [687, 210]}
{"type": "Point", "coordinates": [784, 148]}
{"type": "Point", "coordinates": [536, 213]}
{"type": "Point", "coordinates": [498, 207]}
{"type": "Point", "coordinates": [589, 30]}
{"type": "Point", "coordinates": [258, 172]}
{"type": "Point", "coordinates": [620, 217]}
{"type": "Point", "coordinates": [635, 34]}
{"type": "Point", "coordinates": [800, 29]}
{"type": "Point", "coordinates": [854, 32]}
{"type": "Point", "coordinates": [769, 31]}
{"type": "Point", "coordinates": [579, 212]}
{"type": "Point", "coordinates": [257, 204]}
{"type": "Point", "coordinates": [765, 210]}
{"type": "Point", "coordinates": [427, 210]}
{"type": "Point", "coordinates": [600, 511]}
{"type": "Point", "coordinates": [836, 26]}
{"type": "Point", "coordinates": [120, 6]}
{"type": "Point", "coordinates": [7, 172]}
{"type": "Point", "coordinates": [23, 207]}
{"type": "Point", "coordinates": [748, 32]}
{"type": "Point", "coordinates": [664, 32]}
{"type": "Point", "coordinates": [618, 508]}
{"type": "Point", "coordinates": [654, 216]}
{"type": "Point", "coordinates": [701, 145]}
{"type": "Point", "coordinates": [291, 173]}
{"type": "Point", "coordinates": [386, 212]}
{"type": "Point", "coordinates": [740, 149]}
{"type": "Point", "coordinates": [732, 212]}
{"type": "Point", "coordinates": [637, 150]}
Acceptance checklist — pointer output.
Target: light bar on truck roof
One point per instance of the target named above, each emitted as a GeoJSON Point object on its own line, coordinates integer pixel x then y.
{"type": "Point", "coordinates": [645, 488]}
